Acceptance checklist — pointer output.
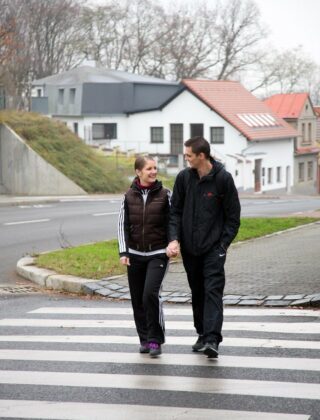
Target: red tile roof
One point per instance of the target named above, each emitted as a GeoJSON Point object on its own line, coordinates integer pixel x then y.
{"type": "Point", "coordinates": [317, 110]}
{"type": "Point", "coordinates": [287, 105]}
{"type": "Point", "coordinates": [240, 108]}
{"type": "Point", "coordinates": [308, 150]}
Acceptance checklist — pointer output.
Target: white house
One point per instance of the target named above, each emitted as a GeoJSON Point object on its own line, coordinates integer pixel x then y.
{"type": "Point", "coordinates": [150, 115]}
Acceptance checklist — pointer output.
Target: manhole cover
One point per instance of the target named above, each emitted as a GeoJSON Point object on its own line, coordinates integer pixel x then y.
{"type": "Point", "coordinates": [12, 290]}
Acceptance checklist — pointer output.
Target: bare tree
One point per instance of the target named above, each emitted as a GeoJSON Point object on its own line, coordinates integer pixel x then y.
{"type": "Point", "coordinates": [286, 72]}
{"type": "Point", "coordinates": [238, 35]}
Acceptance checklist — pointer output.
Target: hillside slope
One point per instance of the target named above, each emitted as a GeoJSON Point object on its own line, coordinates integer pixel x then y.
{"type": "Point", "coordinates": [55, 143]}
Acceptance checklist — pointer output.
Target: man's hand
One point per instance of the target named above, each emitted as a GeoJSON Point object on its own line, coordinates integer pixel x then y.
{"type": "Point", "coordinates": [173, 249]}
{"type": "Point", "coordinates": [125, 260]}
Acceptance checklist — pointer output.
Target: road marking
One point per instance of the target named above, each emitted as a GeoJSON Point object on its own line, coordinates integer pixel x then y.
{"type": "Point", "coordinates": [277, 389]}
{"type": "Point", "coordinates": [84, 411]}
{"type": "Point", "coordinates": [26, 221]}
{"type": "Point", "coordinates": [197, 359]}
{"type": "Point", "coordinates": [171, 311]}
{"type": "Point", "coordinates": [170, 340]}
{"type": "Point", "coordinates": [276, 327]}
{"type": "Point", "coordinates": [105, 214]}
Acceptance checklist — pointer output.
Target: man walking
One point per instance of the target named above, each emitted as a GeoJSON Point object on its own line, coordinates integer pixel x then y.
{"type": "Point", "coordinates": [204, 220]}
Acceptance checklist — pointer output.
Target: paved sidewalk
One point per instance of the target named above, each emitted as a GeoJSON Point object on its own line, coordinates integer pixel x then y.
{"type": "Point", "coordinates": [281, 269]}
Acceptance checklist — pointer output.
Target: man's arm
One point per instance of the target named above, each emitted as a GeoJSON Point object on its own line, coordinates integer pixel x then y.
{"type": "Point", "coordinates": [232, 210]}
{"type": "Point", "coordinates": [176, 209]}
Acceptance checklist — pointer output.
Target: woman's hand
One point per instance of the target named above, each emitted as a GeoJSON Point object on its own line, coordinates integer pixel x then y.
{"type": "Point", "coordinates": [125, 260]}
{"type": "Point", "coordinates": [173, 249]}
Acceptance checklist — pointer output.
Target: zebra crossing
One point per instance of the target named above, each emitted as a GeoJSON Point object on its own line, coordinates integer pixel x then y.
{"type": "Point", "coordinates": [82, 362]}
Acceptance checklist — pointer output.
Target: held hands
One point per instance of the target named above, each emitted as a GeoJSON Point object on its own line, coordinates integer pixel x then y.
{"type": "Point", "coordinates": [125, 260]}
{"type": "Point", "coordinates": [173, 249]}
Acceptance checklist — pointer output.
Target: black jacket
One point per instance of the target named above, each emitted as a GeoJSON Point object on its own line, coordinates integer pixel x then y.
{"type": "Point", "coordinates": [204, 212]}
{"type": "Point", "coordinates": [143, 221]}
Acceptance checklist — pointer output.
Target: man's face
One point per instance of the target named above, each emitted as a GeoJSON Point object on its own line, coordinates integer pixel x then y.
{"type": "Point", "coordinates": [193, 160]}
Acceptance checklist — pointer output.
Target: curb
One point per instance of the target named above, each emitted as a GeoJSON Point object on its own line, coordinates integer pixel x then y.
{"type": "Point", "coordinates": [108, 288]}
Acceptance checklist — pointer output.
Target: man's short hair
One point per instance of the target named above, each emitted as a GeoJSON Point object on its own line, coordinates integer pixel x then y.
{"type": "Point", "coordinates": [199, 145]}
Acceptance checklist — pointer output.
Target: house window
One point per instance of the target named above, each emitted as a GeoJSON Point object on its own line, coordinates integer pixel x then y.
{"type": "Point", "coordinates": [217, 135]}
{"type": "Point", "coordinates": [156, 134]}
{"type": "Point", "coordinates": [196, 130]}
{"type": "Point", "coordinates": [303, 129]}
{"type": "Point", "coordinates": [75, 128]}
{"type": "Point", "coordinates": [104, 131]}
{"type": "Point", "coordinates": [279, 174]}
{"type": "Point", "coordinates": [72, 96]}
{"type": "Point", "coordinates": [310, 171]}
{"type": "Point", "coordinates": [39, 93]}
{"type": "Point", "coordinates": [301, 171]}
{"type": "Point", "coordinates": [269, 175]}
{"type": "Point", "coordinates": [263, 172]}
{"type": "Point", "coordinates": [60, 96]}
{"type": "Point", "coordinates": [309, 132]}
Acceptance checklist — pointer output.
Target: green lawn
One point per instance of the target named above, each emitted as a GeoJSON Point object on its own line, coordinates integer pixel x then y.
{"type": "Point", "coordinates": [101, 259]}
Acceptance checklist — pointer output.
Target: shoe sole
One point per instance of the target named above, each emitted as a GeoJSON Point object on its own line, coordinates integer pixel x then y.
{"type": "Point", "coordinates": [211, 353]}
{"type": "Point", "coordinates": [199, 349]}
{"type": "Point", "coordinates": [155, 354]}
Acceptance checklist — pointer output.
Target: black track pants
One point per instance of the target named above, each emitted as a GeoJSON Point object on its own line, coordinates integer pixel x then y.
{"type": "Point", "coordinates": [206, 279]}
{"type": "Point", "coordinates": [145, 276]}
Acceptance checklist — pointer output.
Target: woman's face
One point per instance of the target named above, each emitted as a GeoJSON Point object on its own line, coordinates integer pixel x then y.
{"type": "Point", "coordinates": [148, 174]}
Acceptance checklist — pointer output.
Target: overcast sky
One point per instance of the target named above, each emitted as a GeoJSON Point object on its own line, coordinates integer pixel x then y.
{"type": "Point", "coordinates": [290, 22]}
{"type": "Point", "coordinates": [293, 22]}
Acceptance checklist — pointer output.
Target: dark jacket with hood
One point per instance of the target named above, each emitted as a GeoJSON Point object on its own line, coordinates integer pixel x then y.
{"type": "Point", "coordinates": [205, 212]}
{"type": "Point", "coordinates": [143, 219]}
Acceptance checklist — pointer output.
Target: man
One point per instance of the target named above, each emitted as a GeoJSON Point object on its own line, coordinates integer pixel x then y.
{"type": "Point", "coordinates": [204, 220]}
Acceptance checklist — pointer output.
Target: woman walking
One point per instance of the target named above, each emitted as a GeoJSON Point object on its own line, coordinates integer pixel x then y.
{"type": "Point", "coordinates": [142, 237]}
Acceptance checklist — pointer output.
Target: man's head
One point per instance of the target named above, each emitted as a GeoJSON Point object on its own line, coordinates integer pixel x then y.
{"type": "Point", "coordinates": [197, 151]}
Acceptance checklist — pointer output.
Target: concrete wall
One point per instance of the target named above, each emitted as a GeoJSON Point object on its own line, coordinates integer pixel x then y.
{"type": "Point", "coordinates": [23, 171]}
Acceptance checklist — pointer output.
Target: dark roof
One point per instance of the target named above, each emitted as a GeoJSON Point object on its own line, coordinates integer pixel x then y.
{"type": "Point", "coordinates": [88, 74]}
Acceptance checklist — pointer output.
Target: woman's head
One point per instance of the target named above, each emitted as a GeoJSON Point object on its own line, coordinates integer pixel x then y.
{"type": "Point", "coordinates": [146, 169]}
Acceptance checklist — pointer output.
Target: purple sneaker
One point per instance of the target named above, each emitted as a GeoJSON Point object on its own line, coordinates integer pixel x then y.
{"type": "Point", "coordinates": [144, 348]}
{"type": "Point", "coordinates": [155, 349]}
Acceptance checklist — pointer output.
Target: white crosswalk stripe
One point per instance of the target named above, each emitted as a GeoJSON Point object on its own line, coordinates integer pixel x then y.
{"type": "Point", "coordinates": [268, 360]}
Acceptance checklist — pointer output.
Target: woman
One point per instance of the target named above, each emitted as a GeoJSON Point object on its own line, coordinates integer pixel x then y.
{"type": "Point", "coordinates": [142, 236]}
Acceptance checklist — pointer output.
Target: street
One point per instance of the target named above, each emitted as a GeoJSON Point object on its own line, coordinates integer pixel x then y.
{"type": "Point", "coordinates": [34, 228]}
{"type": "Point", "coordinates": [75, 358]}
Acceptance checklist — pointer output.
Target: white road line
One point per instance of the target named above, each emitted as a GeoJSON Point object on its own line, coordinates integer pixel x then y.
{"type": "Point", "coordinates": [179, 311]}
{"type": "Point", "coordinates": [26, 221]}
{"type": "Point", "coordinates": [164, 383]}
{"type": "Point", "coordinates": [105, 214]}
{"type": "Point", "coordinates": [171, 340]}
{"type": "Point", "coordinates": [275, 327]}
{"type": "Point", "coordinates": [198, 359]}
{"type": "Point", "coordinates": [84, 411]}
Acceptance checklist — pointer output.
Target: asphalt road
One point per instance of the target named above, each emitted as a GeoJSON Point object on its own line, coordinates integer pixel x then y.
{"type": "Point", "coordinates": [35, 228]}
{"type": "Point", "coordinates": [74, 358]}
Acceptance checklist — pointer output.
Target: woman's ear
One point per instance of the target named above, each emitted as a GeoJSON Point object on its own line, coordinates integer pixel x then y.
{"type": "Point", "coordinates": [138, 173]}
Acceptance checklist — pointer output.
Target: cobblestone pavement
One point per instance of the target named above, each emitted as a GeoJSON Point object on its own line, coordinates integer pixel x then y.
{"type": "Point", "coordinates": [281, 269]}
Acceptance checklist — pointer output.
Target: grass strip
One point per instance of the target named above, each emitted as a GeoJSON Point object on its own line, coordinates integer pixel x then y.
{"type": "Point", "coordinates": [101, 259]}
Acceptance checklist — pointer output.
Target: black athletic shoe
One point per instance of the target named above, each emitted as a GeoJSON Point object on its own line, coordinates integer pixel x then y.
{"type": "Point", "coordinates": [199, 344]}
{"type": "Point", "coordinates": [155, 349]}
{"type": "Point", "coordinates": [144, 348]}
{"type": "Point", "coordinates": [211, 350]}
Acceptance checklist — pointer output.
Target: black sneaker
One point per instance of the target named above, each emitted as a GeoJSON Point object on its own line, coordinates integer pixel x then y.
{"type": "Point", "coordinates": [199, 344]}
{"type": "Point", "coordinates": [211, 350]}
{"type": "Point", "coordinates": [144, 348]}
{"type": "Point", "coordinates": [155, 349]}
